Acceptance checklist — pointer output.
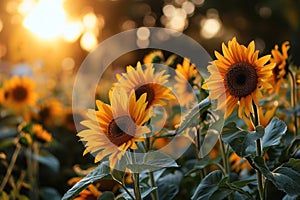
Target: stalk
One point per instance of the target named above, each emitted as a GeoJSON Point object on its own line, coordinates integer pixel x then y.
{"type": "Point", "coordinates": [258, 153]}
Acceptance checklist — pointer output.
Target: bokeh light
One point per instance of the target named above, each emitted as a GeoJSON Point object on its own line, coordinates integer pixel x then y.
{"type": "Point", "coordinates": [43, 22]}
{"type": "Point", "coordinates": [72, 31]}
{"type": "Point", "coordinates": [88, 41]}
{"type": "Point", "coordinates": [1, 25]}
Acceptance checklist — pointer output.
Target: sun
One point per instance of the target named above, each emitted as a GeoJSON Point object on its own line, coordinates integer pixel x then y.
{"type": "Point", "coordinates": [47, 19]}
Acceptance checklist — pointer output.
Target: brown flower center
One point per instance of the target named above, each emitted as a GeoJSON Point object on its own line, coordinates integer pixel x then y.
{"type": "Point", "coordinates": [147, 88]}
{"type": "Point", "coordinates": [121, 130]}
{"type": "Point", "coordinates": [44, 113]}
{"type": "Point", "coordinates": [19, 93]}
{"type": "Point", "coordinates": [241, 79]}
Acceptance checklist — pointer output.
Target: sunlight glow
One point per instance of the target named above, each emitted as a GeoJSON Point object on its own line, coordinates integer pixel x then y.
{"type": "Point", "coordinates": [47, 19]}
{"type": "Point", "coordinates": [72, 31]}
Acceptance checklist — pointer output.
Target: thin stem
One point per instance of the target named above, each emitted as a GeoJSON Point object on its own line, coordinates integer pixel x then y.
{"type": "Point", "coordinates": [293, 99]}
{"type": "Point", "coordinates": [224, 156]}
{"type": "Point", "coordinates": [259, 174]}
{"type": "Point", "coordinates": [153, 184]}
{"type": "Point", "coordinates": [136, 187]}
{"type": "Point", "coordinates": [10, 166]}
{"type": "Point", "coordinates": [124, 187]}
{"type": "Point", "coordinates": [35, 171]}
{"type": "Point", "coordinates": [136, 180]}
{"type": "Point", "coordinates": [260, 180]}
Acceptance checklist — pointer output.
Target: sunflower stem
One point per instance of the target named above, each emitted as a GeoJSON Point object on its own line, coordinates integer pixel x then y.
{"type": "Point", "coordinates": [293, 99]}
{"type": "Point", "coordinates": [10, 166]}
{"type": "Point", "coordinates": [260, 178]}
{"type": "Point", "coordinates": [136, 179]}
{"type": "Point", "coordinates": [224, 156]}
{"type": "Point", "coordinates": [153, 184]}
{"type": "Point", "coordinates": [137, 191]}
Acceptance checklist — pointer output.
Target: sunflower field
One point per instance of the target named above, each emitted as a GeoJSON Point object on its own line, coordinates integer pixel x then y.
{"type": "Point", "coordinates": [153, 100]}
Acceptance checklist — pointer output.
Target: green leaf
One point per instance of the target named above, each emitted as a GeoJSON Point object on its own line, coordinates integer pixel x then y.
{"type": "Point", "coordinates": [48, 160]}
{"type": "Point", "coordinates": [285, 177]}
{"type": "Point", "coordinates": [6, 143]}
{"type": "Point", "coordinates": [107, 195]}
{"type": "Point", "coordinates": [168, 185]}
{"type": "Point", "coordinates": [152, 161]}
{"type": "Point", "coordinates": [100, 172]}
{"type": "Point", "coordinates": [192, 115]}
{"type": "Point", "coordinates": [208, 186]}
{"type": "Point", "coordinates": [48, 193]}
{"type": "Point", "coordinates": [241, 141]}
{"type": "Point", "coordinates": [4, 196]}
{"type": "Point", "coordinates": [7, 132]}
{"type": "Point", "coordinates": [145, 191]}
{"type": "Point", "coordinates": [273, 132]}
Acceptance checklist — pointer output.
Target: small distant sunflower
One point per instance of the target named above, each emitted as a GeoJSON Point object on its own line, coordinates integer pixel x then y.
{"type": "Point", "coordinates": [280, 70]}
{"type": "Point", "coordinates": [237, 77]}
{"type": "Point", "coordinates": [154, 57]}
{"type": "Point", "coordinates": [186, 77]}
{"type": "Point", "coordinates": [18, 93]}
{"type": "Point", "coordinates": [146, 81]}
{"type": "Point", "coordinates": [40, 133]}
{"type": "Point", "coordinates": [91, 192]}
{"type": "Point", "coordinates": [238, 164]}
{"type": "Point", "coordinates": [50, 112]}
{"type": "Point", "coordinates": [112, 129]}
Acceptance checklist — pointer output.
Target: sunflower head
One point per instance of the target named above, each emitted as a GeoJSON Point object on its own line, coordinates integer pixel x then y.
{"type": "Point", "coordinates": [265, 114]}
{"type": "Point", "coordinates": [50, 112]}
{"type": "Point", "coordinates": [237, 77]}
{"type": "Point", "coordinates": [154, 57]}
{"type": "Point", "coordinates": [112, 129]}
{"type": "Point", "coordinates": [146, 81]}
{"type": "Point", "coordinates": [18, 93]}
{"type": "Point", "coordinates": [281, 67]}
{"type": "Point", "coordinates": [41, 134]}
{"type": "Point", "coordinates": [186, 78]}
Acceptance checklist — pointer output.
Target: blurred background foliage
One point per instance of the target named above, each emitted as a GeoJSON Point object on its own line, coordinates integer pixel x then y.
{"type": "Point", "coordinates": [49, 39]}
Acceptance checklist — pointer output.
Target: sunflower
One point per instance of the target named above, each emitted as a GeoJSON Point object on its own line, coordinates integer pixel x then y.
{"type": "Point", "coordinates": [238, 164]}
{"type": "Point", "coordinates": [91, 192]}
{"type": "Point", "coordinates": [280, 70]}
{"type": "Point", "coordinates": [50, 112]}
{"type": "Point", "coordinates": [112, 129]}
{"type": "Point", "coordinates": [265, 116]}
{"type": "Point", "coordinates": [40, 133]}
{"type": "Point", "coordinates": [146, 81]}
{"type": "Point", "coordinates": [237, 77]}
{"type": "Point", "coordinates": [154, 57]}
{"type": "Point", "coordinates": [18, 93]}
{"type": "Point", "coordinates": [186, 78]}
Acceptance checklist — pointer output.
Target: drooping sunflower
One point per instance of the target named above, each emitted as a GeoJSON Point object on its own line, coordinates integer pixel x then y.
{"type": "Point", "coordinates": [186, 78]}
{"type": "Point", "coordinates": [146, 81]}
{"type": "Point", "coordinates": [112, 129]}
{"type": "Point", "coordinates": [18, 93]}
{"type": "Point", "coordinates": [280, 70]}
{"type": "Point", "coordinates": [237, 77]}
